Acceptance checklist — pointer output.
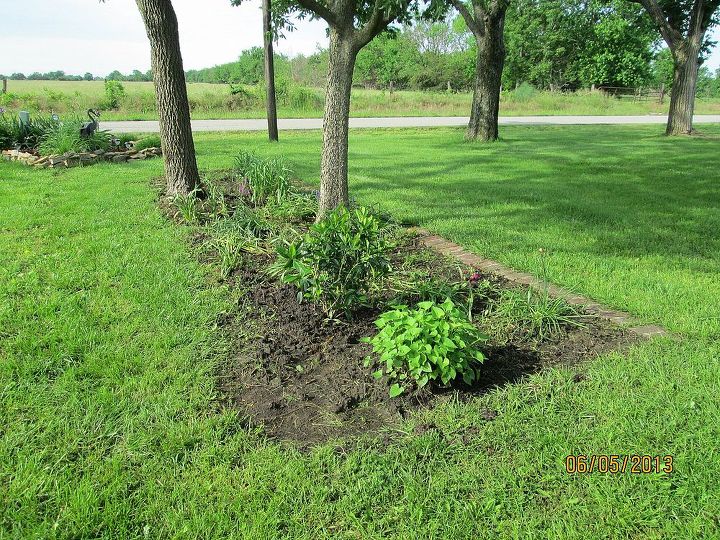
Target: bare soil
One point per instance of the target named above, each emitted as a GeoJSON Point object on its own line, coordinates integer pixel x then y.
{"type": "Point", "coordinates": [302, 378]}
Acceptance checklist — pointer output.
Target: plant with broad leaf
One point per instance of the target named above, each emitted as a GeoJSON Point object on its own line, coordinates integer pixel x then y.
{"type": "Point", "coordinates": [432, 342]}
{"type": "Point", "coordinates": [339, 263]}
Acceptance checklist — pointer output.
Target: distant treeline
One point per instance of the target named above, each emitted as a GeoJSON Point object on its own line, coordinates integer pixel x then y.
{"type": "Point", "coordinates": [136, 76]}
{"type": "Point", "coordinates": [551, 45]}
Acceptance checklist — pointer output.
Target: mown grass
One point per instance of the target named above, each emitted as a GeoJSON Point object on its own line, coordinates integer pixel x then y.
{"type": "Point", "coordinates": [209, 101]}
{"type": "Point", "coordinates": [107, 349]}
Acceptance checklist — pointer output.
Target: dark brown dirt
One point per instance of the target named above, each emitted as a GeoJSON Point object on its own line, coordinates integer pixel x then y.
{"type": "Point", "coordinates": [303, 378]}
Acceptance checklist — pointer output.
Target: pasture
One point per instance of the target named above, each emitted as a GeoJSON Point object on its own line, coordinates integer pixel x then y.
{"type": "Point", "coordinates": [209, 101]}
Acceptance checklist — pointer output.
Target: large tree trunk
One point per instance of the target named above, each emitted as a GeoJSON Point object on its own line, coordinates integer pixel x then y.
{"type": "Point", "coordinates": [334, 165]}
{"type": "Point", "coordinates": [269, 72]}
{"type": "Point", "coordinates": [161, 25]}
{"type": "Point", "coordinates": [489, 65]}
{"type": "Point", "coordinates": [682, 98]}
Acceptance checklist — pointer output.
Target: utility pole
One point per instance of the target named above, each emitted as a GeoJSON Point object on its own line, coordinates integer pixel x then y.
{"type": "Point", "coordinates": [269, 71]}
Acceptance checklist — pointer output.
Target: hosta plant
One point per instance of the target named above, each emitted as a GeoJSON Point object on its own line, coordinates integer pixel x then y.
{"type": "Point", "coordinates": [431, 342]}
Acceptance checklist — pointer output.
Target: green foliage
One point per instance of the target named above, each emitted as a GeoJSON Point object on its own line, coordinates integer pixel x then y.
{"type": "Point", "coordinates": [114, 92]}
{"type": "Point", "coordinates": [14, 134]}
{"type": "Point", "coordinates": [572, 43]}
{"type": "Point", "coordinates": [188, 207]}
{"type": "Point", "coordinates": [229, 249]}
{"type": "Point", "coordinates": [266, 178]}
{"type": "Point", "coordinates": [339, 263]}
{"type": "Point", "coordinates": [523, 93]}
{"type": "Point", "coordinates": [620, 52]}
{"type": "Point", "coordinates": [434, 341]}
{"type": "Point", "coordinates": [531, 315]}
{"type": "Point", "coordinates": [151, 141]}
{"type": "Point", "coordinates": [65, 137]}
{"type": "Point", "coordinates": [214, 198]}
{"type": "Point", "coordinates": [294, 207]}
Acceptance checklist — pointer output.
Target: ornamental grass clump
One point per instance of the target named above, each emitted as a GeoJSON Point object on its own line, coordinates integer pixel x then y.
{"type": "Point", "coordinates": [431, 342]}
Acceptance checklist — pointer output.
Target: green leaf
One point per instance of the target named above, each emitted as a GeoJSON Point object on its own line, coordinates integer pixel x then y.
{"type": "Point", "coordinates": [396, 390]}
{"type": "Point", "coordinates": [378, 374]}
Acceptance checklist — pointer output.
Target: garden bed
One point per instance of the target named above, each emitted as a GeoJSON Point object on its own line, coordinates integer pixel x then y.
{"type": "Point", "coordinates": [79, 159]}
{"type": "Point", "coordinates": [303, 377]}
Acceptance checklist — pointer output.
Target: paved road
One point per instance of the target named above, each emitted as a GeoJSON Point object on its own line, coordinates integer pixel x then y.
{"type": "Point", "coordinates": [151, 126]}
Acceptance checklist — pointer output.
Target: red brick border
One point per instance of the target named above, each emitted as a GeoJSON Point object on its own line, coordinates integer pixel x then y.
{"type": "Point", "coordinates": [445, 247]}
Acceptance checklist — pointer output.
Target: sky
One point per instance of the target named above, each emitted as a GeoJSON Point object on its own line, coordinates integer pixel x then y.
{"type": "Point", "coordinates": [77, 36]}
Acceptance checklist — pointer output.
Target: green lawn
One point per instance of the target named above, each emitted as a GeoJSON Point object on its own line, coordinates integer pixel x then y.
{"type": "Point", "coordinates": [107, 349]}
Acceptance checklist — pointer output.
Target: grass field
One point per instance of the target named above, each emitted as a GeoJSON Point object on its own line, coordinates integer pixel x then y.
{"type": "Point", "coordinates": [107, 349]}
{"type": "Point", "coordinates": [215, 101]}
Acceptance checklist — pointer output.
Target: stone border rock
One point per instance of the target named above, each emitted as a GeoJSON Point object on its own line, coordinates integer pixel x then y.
{"type": "Point", "coordinates": [81, 159]}
{"type": "Point", "coordinates": [445, 247]}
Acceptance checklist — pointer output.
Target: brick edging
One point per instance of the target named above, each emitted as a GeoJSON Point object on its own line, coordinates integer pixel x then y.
{"type": "Point", "coordinates": [445, 247]}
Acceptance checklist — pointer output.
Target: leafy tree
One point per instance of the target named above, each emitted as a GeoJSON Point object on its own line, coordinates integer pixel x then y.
{"type": "Point", "coordinates": [619, 51]}
{"type": "Point", "coordinates": [352, 25]}
{"type": "Point", "coordinates": [18, 76]}
{"type": "Point", "coordinates": [88, 76]}
{"type": "Point", "coordinates": [161, 25]}
{"type": "Point", "coordinates": [683, 25]}
{"type": "Point", "coordinates": [386, 60]}
{"type": "Point", "coordinates": [572, 43]}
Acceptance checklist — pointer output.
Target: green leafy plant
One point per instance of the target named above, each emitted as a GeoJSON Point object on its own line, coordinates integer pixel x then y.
{"type": "Point", "coordinates": [214, 198]}
{"type": "Point", "coordinates": [63, 137]}
{"type": "Point", "coordinates": [430, 342]}
{"type": "Point", "coordinates": [15, 134]}
{"type": "Point", "coordinates": [266, 178]}
{"type": "Point", "coordinates": [339, 263]}
{"type": "Point", "coordinates": [114, 92]}
{"type": "Point", "coordinates": [229, 249]}
{"type": "Point", "coordinates": [531, 315]}
{"type": "Point", "coordinates": [294, 207]}
{"type": "Point", "coordinates": [188, 207]}
{"type": "Point", "coordinates": [152, 141]}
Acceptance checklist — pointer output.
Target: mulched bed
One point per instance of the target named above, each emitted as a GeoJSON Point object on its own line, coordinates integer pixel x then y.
{"type": "Point", "coordinates": [303, 379]}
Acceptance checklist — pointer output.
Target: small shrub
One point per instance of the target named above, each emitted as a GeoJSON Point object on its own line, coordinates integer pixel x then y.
{"type": "Point", "coordinates": [246, 227]}
{"type": "Point", "coordinates": [431, 342]}
{"type": "Point", "coordinates": [152, 141]}
{"type": "Point", "coordinates": [14, 134]}
{"type": "Point", "coordinates": [114, 92]}
{"type": "Point", "coordinates": [524, 93]}
{"type": "Point", "coordinates": [267, 178]}
{"type": "Point", "coordinates": [417, 286]}
{"type": "Point", "coordinates": [339, 263]}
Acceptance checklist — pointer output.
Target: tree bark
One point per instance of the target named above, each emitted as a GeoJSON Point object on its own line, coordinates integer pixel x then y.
{"type": "Point", "coordinates": [178, 148]}
{"type": "Point", "coordinates": [489, 65]}
{"type": "Point", "coordinates": [682, 97]}
{"type": "Point", "coordinates": [334, 164]}
{"type": "Point", "coordinates": [269, 72]}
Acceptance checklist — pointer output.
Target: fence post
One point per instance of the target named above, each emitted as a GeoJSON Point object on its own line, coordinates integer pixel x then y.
{"type": "Point", "coordinates": [662, 93]}
{"type": "Point", "coordinates": [4, 88]}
